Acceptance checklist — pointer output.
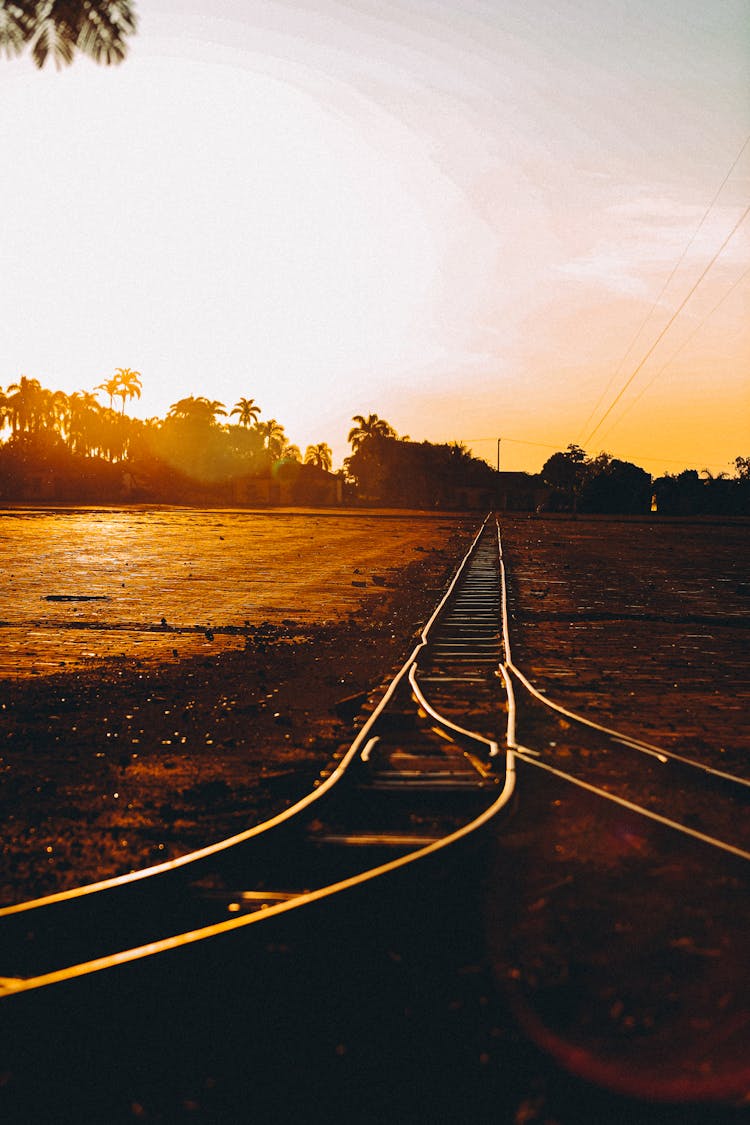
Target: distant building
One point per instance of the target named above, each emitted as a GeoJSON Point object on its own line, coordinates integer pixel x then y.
{"type": "Point", "coordinates": [521, 492]}
{"type": "Point", "coordinates": [468, 497]}
{"type": "Point", "coordinates": [289, 484]}
{"type": "Point", "coordinates": [41, 485]}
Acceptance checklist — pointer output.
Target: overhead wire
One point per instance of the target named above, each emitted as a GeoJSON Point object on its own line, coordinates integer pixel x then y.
{"type": "Point", "coordinates": [560, 446]}
{"type": "Point", "coordinates": [515, 441]}
{"type": "Point", "coordinates": [668, 325]}
{"type": "Point", "coordinates": [674, 354]}
{"type": "Point", "coordinates": [665, 286]}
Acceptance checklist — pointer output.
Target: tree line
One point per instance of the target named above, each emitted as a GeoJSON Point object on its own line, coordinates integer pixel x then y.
{"type": "Point", "coordinates": [74, 447]}
{"type": "Point", "coordinates": [386, 469]}
{"type": "Point", "coordinates": [605, 484]}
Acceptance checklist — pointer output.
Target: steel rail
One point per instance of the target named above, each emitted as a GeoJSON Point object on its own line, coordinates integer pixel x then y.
{"type": "Point", "coordinates": [626, 739]}
{"type": "Point", "coordinates": [509, 669]}
{"type": "Point", "coordinates": [294, 810]}
{"type": "Point", "coordinates": [466, 646]}
{"type": "Point", "coordinates": [419, 647]}
{"type": "Point", "coordinates": [13, 986]}
{"type": "Point", "coordinates": [685, 829]}
{"type": "Point", "coordinates": [277, 903]}
{"type": "Point", "coordinates": [491, 745]}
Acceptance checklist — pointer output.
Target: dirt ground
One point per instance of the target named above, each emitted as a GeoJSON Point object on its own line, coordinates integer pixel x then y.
{"type": "Point", "coordinates": [640, 625]}
{"type": "Point", "coordinates": [84, 585]}
{"type": "Point", "coordinates": [622, 943]}
{"type": "Point", "coordinates": [620, 950]}
{"type": "Point", "coordinates": [156, 739]}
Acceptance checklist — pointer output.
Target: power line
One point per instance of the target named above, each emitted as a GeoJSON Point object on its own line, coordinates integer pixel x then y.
{"type": "Point", "coordinates": [666, 285]}
{"type": "Point", "coordinates": [515, 441]}
{"type": "Point", "coordinates": [677, 460]}
{"type": "Point", "coordinates": [559, 448]}
{"type": "Point", "coordinates": [674, 354]}
{"type": "Point", "coordinates": [668, 325]}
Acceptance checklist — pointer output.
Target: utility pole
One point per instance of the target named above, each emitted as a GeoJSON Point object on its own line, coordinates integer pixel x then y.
{"type": "Point", "coordinates": [498, 454]}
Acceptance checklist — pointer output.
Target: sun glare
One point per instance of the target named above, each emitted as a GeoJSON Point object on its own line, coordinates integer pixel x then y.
{"type": "Point", "coordinates": [334, 212]}
{"type": "Point", "coordinates": [288, 252]}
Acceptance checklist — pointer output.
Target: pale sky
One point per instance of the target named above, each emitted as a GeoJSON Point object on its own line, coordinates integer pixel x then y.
{"type": "Point", "coordinates": [456, 216]}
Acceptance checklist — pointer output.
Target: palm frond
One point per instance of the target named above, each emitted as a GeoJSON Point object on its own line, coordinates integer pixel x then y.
{"type": "Point", "coordinates": [102, 31]}
{"type": "Point", "coordinates": [52, 38]}
{"type": "Point", "coordinates": [58, 28]}
{"type": "Point", "coordinates": [16, 27]}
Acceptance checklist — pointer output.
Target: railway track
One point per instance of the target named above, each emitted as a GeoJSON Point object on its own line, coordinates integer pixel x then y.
{"type": "Point", "coordinates": [689, 796]}
{"type": "Point", "coordinates": [415, 784]}
{"type": "Point", "coordinates": [407, 806]}
{"type": "Point", "coordinates": [622, 947]}
{"type": "Point", "coordinates": [415, 781]}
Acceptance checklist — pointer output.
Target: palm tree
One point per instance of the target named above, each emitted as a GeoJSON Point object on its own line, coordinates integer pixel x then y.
{"type": "Point", "coordinates": [97, 28]}
{"type": "Point", "coordinates": [53, 407]}
{"type": "Point", "coordinates": [273, 436]}
{"type": "Point", "coordinates": [128, 384]}
{"type": "Point", "coordinates": [114, 434]}
{"type": "Point", "coordinates": [24, 404]}
{"type": "Point", "coordinates": [371, 426]}
{"type": "Point", "coordinates": [248, 411]}
{"type": "Point", "coordinates": [215, 408]}
{"type": "Point", "coordinates": [198, 409]}
{"type": "Point", "coordinates": [319, 455]}
{"type": "Point", "coordinates": [109, 386]}
{"type": "Point", "coordinates": [82, 410]}
{"type": "Point", "coordinates": [289, 452]}
{"type": "Point", "coordinates": [124, 384]}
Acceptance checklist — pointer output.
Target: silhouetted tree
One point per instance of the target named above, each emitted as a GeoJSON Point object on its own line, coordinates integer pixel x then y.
{"type": "Point", "coordinates": [274, 438]}
{"type": "Point", "coordinates": [81, 416]}
{"type": "Point", "coordinates": [246, 446]}
{"type": "Point", "coordinates": [198, 409]}
{"type": "Point", "coordinates": [59, 28]}
{"type": "Point", "coordinates": [397, 472]}
{"type": "Point", "coordinates": [367, 427]}
{"type": "Point", "coordinates": [248, 411]}
{"type": "Point", "coordinates": [128, 384]}
{"type": "Point", "coordinates": [319, 455]}
{"type": "Point", "coordinates": [24, 404]}
{"type": "Point", "coordinates": [290, 452]}
{"type": "Point", "coordinates": [564, 472]}
{"type": "Point", "coordinates": [613, 486]}
{"type": "Point", "coordinates": [686, 494]}
{"type": "Point", "coordinates": [680, 494]}
{"type": "Point", "coordinates": [109, 386]}
{"type": "Point", "coordinates": [742, 469]}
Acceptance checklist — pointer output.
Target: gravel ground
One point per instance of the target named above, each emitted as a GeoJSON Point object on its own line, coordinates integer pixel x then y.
{"type": "Point", "coordinates": [622, 944]}
{"type": "Point", "coordinates": [126, 760]}
{"type": "Point", "coordinates": [617, 949]}
{"type": "Point", "coordinates": [640, 625]}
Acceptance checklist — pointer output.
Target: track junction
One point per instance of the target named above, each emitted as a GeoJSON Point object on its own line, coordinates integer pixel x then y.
{"type": "Point", "coordinates": [429, 777]}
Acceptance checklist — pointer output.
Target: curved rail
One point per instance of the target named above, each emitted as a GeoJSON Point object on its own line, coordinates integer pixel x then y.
{"type": "Point", "coordinates": [238, 923]}
{"type": "Point", "coordinates": [256, 830]}
{"type": "Point", "coordinates": [490, 744]}
{"type": "Point", "coordinates": [376, 767]}
{"type": "Point", "coordinates": [611, 738]}
{"type": "Point", "coordinates": [691, 1071]}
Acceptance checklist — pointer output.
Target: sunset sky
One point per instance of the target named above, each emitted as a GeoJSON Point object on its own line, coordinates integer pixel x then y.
{"type": "Point", "coordinates": [458, 216]}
